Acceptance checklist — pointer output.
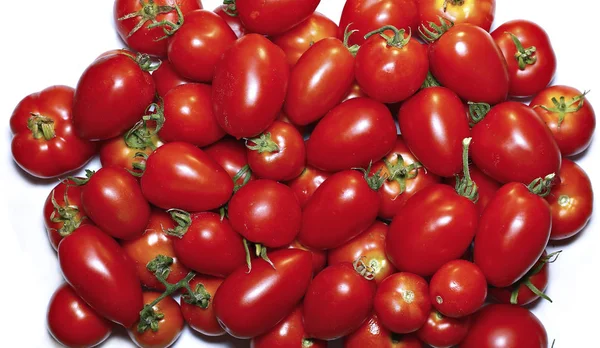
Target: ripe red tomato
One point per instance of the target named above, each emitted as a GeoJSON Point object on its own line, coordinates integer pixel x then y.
{"type": "Point", "coordinates": [203, 320]}
{"type": "Point", "coordinates": [354, 92]}
{"type": "Point", "coordinates": [477, 12]}
{"type": "Point", "coordinates": [307, 183]}
{"type": "Point", "coordinates": [170, 325]}
{"type": "Point", "coordinates": [272, 17]}
{"type": "Point", "coordinates": [337, 302]}
{"type": "Point", "coordinates": [112, 95]}
{"type": "Point", "coordinates": [373, 334]}
{"type": "Point", "coordinates": [44, 143]}
{"type": "Point", "coordinates": [233, 21]}
{"type": "Point", "coordinates": [433, 126]}
{"type": "Point", "coordinates": [458, 289]}
{"type": "Point", "coordinates": [63, 212]}
{"type": "Point", "coordinates": [514, 228]}
{"type": "Point", "coordinates": [444, 332]}
{"type": "Point", "coordinates": [231, 155]}
{"type": "Point", "coordinates": [132, 18]}
{"type": "Point", "coordinates": [101, 274]}
{"type": "Point", "coordinates": [353, 134]}
{"type": "Point", "coordinates": [319, 257]}
{"type": "Point", "coordinates": [486, 186]}
{"type": "Point", "coordinates": [265, 295]}
{"type": "Point", "coordinates": [249, 86]}
{"type": "Point", "coordinates": [571, 201]}
{"type": "Point", "coordinates": [72, 322]}
{"type": "Point", "coordinates": [569, 115]}
{"type": "Point", "coordinates": [123, 151]}
{"type": "Point", "coordinates": [166, 78]}
{"type": "Point", "coordinates": [179, 175]}
{"type": "Point", "coordinates": [499, 326]}
{"type": "Point", "coordinates": [511, 144]}
{"type": "Point", "coordinates": [288, 333]}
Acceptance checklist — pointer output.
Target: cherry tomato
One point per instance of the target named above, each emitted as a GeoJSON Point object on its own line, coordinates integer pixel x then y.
{"type": "Point", "coordinates": [101, 274]}
{"type": "Point", "coordinates": [499, 326]}
{"type": "Point", "coordinates": [249, 86]}
{"type": "Point", "coordinates": [458, 289]}
{"type": "Point", "coordinates": [63, 211]}
{"type": "Point", "coordinates": [233, 21]}
{"type": "Point", "coordinates": [511, 144]}
{"type": "Point", "coordinates": [486, 186]}
{"type": "Point", "coordinates": [373, 334]}
{"type": "Point", "coordinates": [305, 185]}
{"type": "Point", "coordinates": [569, 115]}
{"type": "Point", "coordinates": [179, 175]}
{"type": "Point", "coordinates": [272, 17]}
{"type": "Point", "coordinates": [166, 78]}
{"type": "Point", "coordinates": [319, 257]}
{"type": "Point", "coordinates": [170, 325]}
{"type": "Point", "coordinates": [443, 332]}
{"type": "Point", "coordinates": [477, 12]}
{"type": "Point", "coordinates": [288, 333]}
{"type": "Point", "coordinates": [231, 155]}
{"type": "Point", "coordinates": [44, 143]}
{"type": "Point", "coordinates": [337, 302]}
{"type": "Point", "coordinates": [265, 295]}
{"type": "Point", "coordinates": [203, 320]}
{"type": "Point", "coordinates": [73, 323]}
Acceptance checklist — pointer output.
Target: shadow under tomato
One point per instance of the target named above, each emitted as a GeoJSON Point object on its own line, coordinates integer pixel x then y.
{"type": "Point", "coordinates": [223, 341]}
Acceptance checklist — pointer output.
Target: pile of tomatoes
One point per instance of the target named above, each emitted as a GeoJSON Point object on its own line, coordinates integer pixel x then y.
{"type": "Point", "coordinates": [254, 184]}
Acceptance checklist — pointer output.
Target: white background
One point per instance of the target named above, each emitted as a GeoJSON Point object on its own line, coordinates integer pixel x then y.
{"type": "Point", "coordinates": [52, 42]}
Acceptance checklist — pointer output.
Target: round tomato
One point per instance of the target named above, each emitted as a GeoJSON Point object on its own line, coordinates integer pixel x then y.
{"type": "Point", "coordinates": [170, 323]}
{"type": "Point", "coordinates": [288, 333]}
{"type": "Point", "coordinates": [373, 334]}
{"type": "Point", "coordinates": [486, 186]}
{"type": "Point", "coordinates": [231, 155]}
{"type": "Point", "coordinates": [166, 78]}
{"type": "Point", "coordinates": [63, 212]}
{"type": "Point", "coordinates": [319, 257]}
{"type": "Point", "coordinates": [305, 185]}
{"type": "Point", "coordinates": [444, 332]}
{"type": "Point", "coordinates": [203, 320]}
{"type": "Point", "coordinates": [232, 20]}
{"type": "Point", "coordinates": [273, 17]}
{"type": "Point", "coordinates": [477, 12]}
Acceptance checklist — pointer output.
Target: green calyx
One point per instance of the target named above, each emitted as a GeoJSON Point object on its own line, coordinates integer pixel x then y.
{"type": "Point", "coordinates": [307, 343]}
{"type": "Point", "coordinates": [431, 31]}
{"type": "Point", "coordinates": [366, 271]}
{"type": "Point", "coordinates": [526, 280]}
{"type": "Point", "coordinates": [398, 40]}
{"type": "Point", "coordinates": [260, 251]}
{"type": "Point", "coordinates": [230, 8]}
{"type": "Point", "coordinates": [147, 63]}
{"type": "Point", "coordinates": [453, 2]}
{"type": "Point", "coordinates": [374, 181]}
{"type": "Point", "coordinates": [183, 220]}
{"type": "Point", "coordinates": [160, 266]}
{"type": "Point", "coordinates": [82, 181]}
{"type": "Point", "coordinates": [246, 173]}
{"type": "Point", "coordinates": [477, 111]}
{"type": "Point", "coordinates": [157, 116]}
{"type": "Point", "coordinates": [41, 127]}
{"type": "Point", "coordinates": [263, 144]}
{"type": "Point", "coordinates": [562, 107]}
{"type": "Point", "coordinates": [465, 186]}
{"type": "Point", "coordinates": [149, 12]}
{"type": "Point", "coordinates": [400, 172]}
{"type": "Point", "coordinates": [67, 215]}
{"type": "Point", "coordinates": [430, 81]}
{"type": "Point", "coordinates": [347, 32]}
{"type": "Point", "coordinates": [542, 186]}
{"type": "Point", "coordinates": [523, 56]}
{"type": "Point", "coordinates": [198, 297]}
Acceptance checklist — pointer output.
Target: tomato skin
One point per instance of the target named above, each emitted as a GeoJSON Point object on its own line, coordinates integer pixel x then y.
{"type": "Point", "coordinates": [486, 186]}
{"type": "Point", "coordinates": [319, 257]}
{"type": "Point", "coordinates": [265, 295]}
{"type": "Point", "coordinates": [480, 71]}
{"type": "Point", "coordinates": [339, 210]}
{"type": "Point", "coordinates": [305, 185]}
{"type": "Point", "coordinates": [435, 226]}
{"type": "Point", "coordinates": [477, 12]}
{"type": "Point", "coordinates": [351, 135]}
{"type": "Point", "coordinates": [497, 153]}
{"type": "Point", "coordinates": [166, 78]}
{"type": "Point", "coordinates": [515, 227]}
{"type": "Point", "coordinates": [203, 320]}
{"type": "Point", "coordinates": [198, 45]}
{"type": "Point", "coordinates": [373, 334]}
{"type": "Point", "coordinates": [577, 129]}
{"type": "Point", "coordinates": [273, 17]}
{"type": "Point", "coordinates": [210, 246]}
{"type": "Point", "coordinates": [288, 333]}
{"type": "Point", "coordinates": [337, 302]}
{"type": "Point", "coordinates": [72, 322]}
{"type": "Point", "coordinates": [354, 92]}
{"type": "Point", "coordinates": [116, 153]}
{"type": "Point", "coordinates": [433, 126]}
{"type": "Point", "coordinates": [71, 219]}
{"type": "Point", "coordinates": [179, 175]}
{"type": "Point", "coordinates": [111, 96]}
{"type": "Point", "coordinates": [65, 152]}
{"type": "Point", "coordinates": [234, 22]}
{"type": "Point", "coordinates": [101, 274]}
{"type": "Point", "coordinates": [498, 326]}
{"type": "Point", "coordinates": [444, 332]}
{"type": "Point", "coordinates": [231, 155]}
{"type": "Point", "coordinates": [249, 88]}
{"type": "Point", "coordinates": [169, 328]}
{"type": "Point", "coordinates": [571, 201]}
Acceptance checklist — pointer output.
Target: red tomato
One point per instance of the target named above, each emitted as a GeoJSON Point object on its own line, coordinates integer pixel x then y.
{"type": "Point", "coordinates": [63, 212]}
{"type": "Point", "coordinates": [569, 115]}
{"type": "Point", "coordinates": [249, 86]}
{"type": "Point", "coordinates": [44, 143]}
{"type": "Point", "coordinates": [458, 289]}
{"type": "Point", "coordinates": [198, 45]}
{"type": "Point", "coordinates": [500, 326]}
{"type": "Point", "coordinates": [511, 144]}
{"type": "Point", "coordinates": [477, 12]}
{"type": "Point", "coordinates": [433, 126]}
{"type": "Point", "coordinates": [288, 333]}
{"type": "Point", "coordinates": [302, 129]}
{"type": "Point", "coordinates": [571, 201]}
{"type": "Point", "coordinates": [132, 18]}
{"type": "Point", "coordinates": [353, 134]}
{"type": "Point", "coordinates": [305, 185]}
{"type": "Point", "coordinates": [319, 257]}
{"type": "Point", "coordinates": [390, 69]}
{"type": "Point", "coordinates": [170, 325]}
{"type": "Point", "coordinates": [354, 92]}
{"type": "Point", "coordinates": [341, 208]}
{"type": "Point", "coordinates": [278, 154]}
{"type": "Point", "coordinates": [265, 295]}
{"type": "Point", "coordinates": [101, 274]}
{"type": "Point", "coordinates": [203, 320]}
{"type": "Point", "coordinates": [166, 78]}
{"type": "Point", "coordinates": [231, 155]}
{"type": "Point", "coordinates": [272, 17]}
{"type": "Point", "coordinates": [486, 187]}
{"type": "Point", "coordinates": [373, 334]}
{"type": "Point", "coordinates": [299, 39]}
{"type": "Point", "coordinates": [123, 151]}
{"type": "Point", "coordinates": [265, 212]}
{"type": "Point", "coordinates": [337, 302]}
{"type": "Point", "coordinates": [72, 322]}
{"type": "Point", "coordinates": [514, 228]}
{"type": "Point", "coordinates": [444, 332]}
{"type": "Point", "coordinates": [233, 21]}
{"type": "Point", "coordinates": [179, 175]}
{"type": "Point", "coordinates": [113, 200]}
{"type": "Point", "coordinates": [319, 81]}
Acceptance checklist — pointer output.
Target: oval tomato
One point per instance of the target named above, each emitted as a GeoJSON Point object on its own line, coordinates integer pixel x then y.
{"type": "Point", "coordinates": [288, 333]}
{"type": "Point", "coordinates": [486, 186]}
{"type": "Point", "coordinates": [231, 155]}
{"type": "Point", "coordinates": [63, 211]}
{"type": "Point", "coordinates": [305, 185]}
{"type": "Point", "coordinates": [444, 332]}
{"type": "Point", "coordinates": [170, 325]}
{"type": "Point", "coordinates": [373, 334]}
{"type": "Point", "coordinates": [272, 17]}
{"type": "Point", "coordinates": [166, 78]}
{"type": "Point", "coordinates": [232, 20]}
{"type": "Point", "coordinates": [203, 320]}
{"type": "Point", "coordinates": [477, 12]}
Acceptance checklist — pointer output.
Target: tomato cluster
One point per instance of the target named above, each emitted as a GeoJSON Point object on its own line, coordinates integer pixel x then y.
{"type": "Point", "coordinates": [253, 181]}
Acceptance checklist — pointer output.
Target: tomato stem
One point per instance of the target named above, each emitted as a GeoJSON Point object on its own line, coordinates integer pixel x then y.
{"type": "Point", "coordinates": [263, 144]}
{"type": "Point", "coordinates": [431, 31]}
{"type": "Point", "coordinates": [183, 220]}
{"type": "Point", "coordinates": [398, 40]}
{"type": "Point", "coordinates": [248, 255]}
{"type": "Point", "coordinates": [526, 280]}
{"type": "Point", "coordinates": [146, 63]}
{"type": "Point", "coordinates": [82, 181]}
{"type": "Point", "coordinates": [542, 186]}
{"type": "Point", "coordinates": [453, 2]}
{"type": "Point", "coordinates": [430, 81]}
{"type": "Point", "coordinates": [400, 172]}
{"type": "Point", "coordinates": [307, 343]}
{"type": "Point", "coordinates": [261, 251]}
{"type": "Point", "coordinates": [478, 111]}
{"type": "Point", "coordinates": [363, 269]}
{"type": "Point", "coordinates": [158, 116]}
{"type": "Point", "coordinates": [245, 173]}
{"type": "Point", "coordinates": [67, 214]}
{"type": "Point", "coordinates": [230, 8]}
{"type": "Point", "coordinates": [199, 296]}
{"type": "Point", "coordinates": [41, 127]}
{"type": "Point", "coordinates": [524, 56]}
{"type": "Point", "coordinates": [347, 32]}
{"type": "Point", "coordinates": [562, 108]}
{"type": "Point", "coordinates": [466, 187]}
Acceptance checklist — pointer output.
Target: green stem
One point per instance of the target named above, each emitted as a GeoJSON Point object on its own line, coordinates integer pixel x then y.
{"type": "Point", "coordinates": [41, 127]}
{"type": "Point", "coordinates": [398, 40]}
{"type": "Point", "coordinates": [82, 181]}
{"type": "Point", "coordinates": [363, 269]}
{"type": "Point", "coordinates": [542, 186]}
{"type": "Point", "coordinates": [466, 187]}
{"type": "Point", "coordinates": [146, 63]}
{"type": "Point", "coordinates": [562, 108]}
{"type": "Point", "coordinates": [400, 172]}
{"type": "Point", "coordinates": [183, 220]}
{"type": "Point", "coordinates": [524, 56]}
{"type": "Point", "coordinates": [248, 255]}
{"type": "Point", "coordinates": [430, 81]}
{"type": "Point", "coordinates": [67, 215]}
{"type": "Point", "coordinates": [245, 173]}
{"type": "Point", "coordinates": [230, 8]}
{"type": "Point", "coordinates": [347, 32]}
{"type": "Point", "coordinates": [526, 280]}
{"type": "Point", "coordinates": [431, 31]}
{"type": "Point", "coordinates": [261, 252]}
{"type": "Point", "coordinates": [263, 144]}
{"type": "Point", "coordinates": [374, 181]}
{"type": "Point", "coordinates": [478, 111]}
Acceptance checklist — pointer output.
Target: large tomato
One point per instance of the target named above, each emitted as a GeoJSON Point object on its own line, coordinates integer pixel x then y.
{"type": "Point", "coordinates": [170, 324]}
{"type": "Point", "coordinates": [63, 212]}
{"type": "Point", "coordinates": [373, 334]}
{"type": "Point", "coordinates": [272, 17]}
{"type": "Point", "coordinates": [288, 333]}
{"type": "Point", "coordinates": [443, 332]}
{"type": "Point", "coordinates": [203, 320]}
{"type": "Point", "coordinates": [307, 183]}
{"type": "Point", "coordinates": [231, 155]}
{"type": "Point", "coordinates": [477, 12]}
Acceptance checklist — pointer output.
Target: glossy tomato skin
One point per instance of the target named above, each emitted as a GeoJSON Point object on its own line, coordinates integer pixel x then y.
{"type": "Point", "coordinates": [230, 154]}
{"type": "Point", "coordinates": [576, 130]}
{"type": "Point", "coordinates": [249, 88]}
{"type": "Point", "coordinates": [433, 126]}
{"type": "Point", "coordinates": [113, 200]}
{"type": "Point", "coordinates": [498, 326]}
{"type": "Point", "coordinates": [480, 71]}
{"type": "Point", "coordinates": [64, 218]}
{"type": "Point", "coordinates": [198, 45]}
{"type": "Point", "coordinates": [179, 175]}
{"type": "Point", "coordinates": [169, 327]}
{"type": "Point", "coordinates": [203, 320]}
{"type": "Point", "coordinates": [111, 96]}
{"type": "Point", "coordinates": [272, 17]}
{"type": "Point", "coordinates": [65, 151]}
{"type": "Point", "coordinates": [265, 295]}
{"type": "Point", "coordinates": [444, 332]}
{"type": "Point", "coordinates": [116, 153]}
{"type": "Point", "coordinates": [234, 22]}
{"type": "Point", "coordinates": [72, 322]}
{"type": "Point", "coordinates": [319, 257]}
{"type": "Point", "coordinates": [486, 186]}
{"type": "Point", "coordinates": [354, 92]}
{"type": "Point", "coordinates": [210, 246]}
{"type": "Point", "coordinates": [351, 135]}
{"type": "Point", "coordinates": [511, 144]}
{"type": "Point", "coordinates": [337, 302]}
{"type": "Point", "coordinates": [515, 227]}
{"type": "Point", "coordinates": [307, 183]}
{"type": "Point", "coordinates": [339, 210]}
{"type": "Point", "coordinates": [373, 334]}
{"type": "Point", "coordinates": [166, 78]}
{"type": "Point", "coordinates": [477, 12]}
{"type": "Point", "coordinates": [288, 333]}
{"type": "Point", "coordinates": [435, 226]}
{"type": "Point", "coordinates": [101, 274]}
